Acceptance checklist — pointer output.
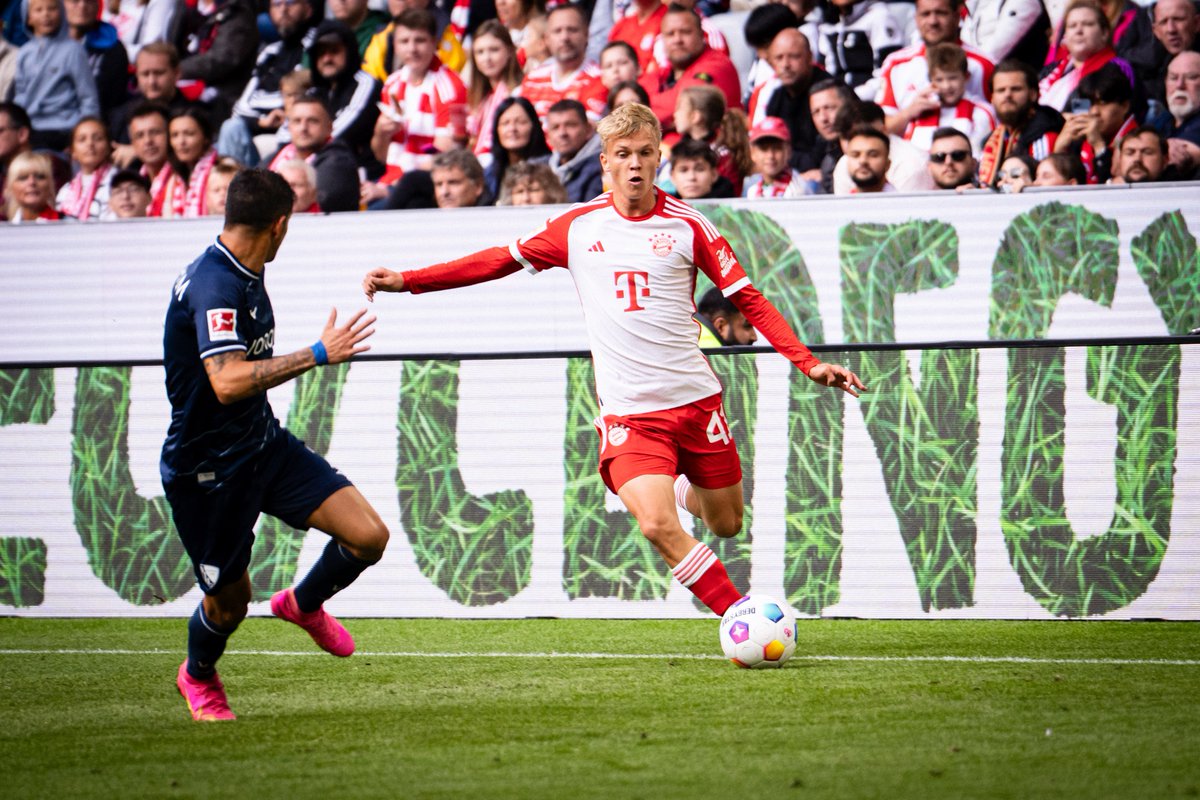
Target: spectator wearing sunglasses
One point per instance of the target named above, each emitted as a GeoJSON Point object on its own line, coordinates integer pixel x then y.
{"type": "Point", "coordinates": [951, 164]}
{"type": "Point", "coordinates": [1016, 173]}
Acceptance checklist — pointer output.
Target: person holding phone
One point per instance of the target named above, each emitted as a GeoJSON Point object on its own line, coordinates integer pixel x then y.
{"type": "Point", "coordinates": [1098, 117]}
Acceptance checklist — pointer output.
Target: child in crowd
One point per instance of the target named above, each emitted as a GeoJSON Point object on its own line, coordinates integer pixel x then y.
{"type": "Point", "coordinates": [130, 196]}
{"type": "Point", "coordinates": [948, 77]}
{"type": "Point", "coordinates": [701, 114]}
{"type": "Point", "coordinates": [618, 62]}
{"type": "Point", "coordinates": [53, 82]}
{"type": "Point", "coordinates": [86, 195]}
{"type": "Point", "coordinates": [770, 147]}
{"type": "Point", "coordinates": [418, 104]}
{"type": "Point", "coordinates": [694, 172]}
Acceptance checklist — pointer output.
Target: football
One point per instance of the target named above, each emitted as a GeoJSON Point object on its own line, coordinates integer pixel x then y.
{"type": "Point", "coordinates": [758, 632]}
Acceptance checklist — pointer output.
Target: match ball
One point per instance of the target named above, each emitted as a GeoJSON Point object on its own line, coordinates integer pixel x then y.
{"type": "Point", "coordinates": [758, 632]}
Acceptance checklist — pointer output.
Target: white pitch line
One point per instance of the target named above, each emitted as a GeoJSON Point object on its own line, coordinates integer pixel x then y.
{"type": "Point", "coordinates": [1168, 662]}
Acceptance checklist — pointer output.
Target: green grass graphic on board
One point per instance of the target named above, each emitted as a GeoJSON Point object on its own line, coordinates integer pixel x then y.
{"type": "Point", "coordinates": [26, 397]}
{"type": "Point", "coordinates": [476, 549]}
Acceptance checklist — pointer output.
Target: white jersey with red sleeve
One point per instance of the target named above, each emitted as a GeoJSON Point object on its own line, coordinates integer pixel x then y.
{"type": "Point", "coordinates": [636, 278]}
{"type": "Point", "coordinates": [906, 72]}
{"type": "Point", "coordinates": [425, 110]}
{"type": "Point", "coordinates": [543, 87]}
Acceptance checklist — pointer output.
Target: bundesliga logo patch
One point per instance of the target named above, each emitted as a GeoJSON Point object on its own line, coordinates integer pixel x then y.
{"type": "Point", "coordinates": [222, 324]}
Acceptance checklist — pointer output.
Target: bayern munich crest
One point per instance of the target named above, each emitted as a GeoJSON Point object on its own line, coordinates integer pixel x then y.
{"type": "Point", "coordinates": [662, 244]}
{"type": "Point", "coordinates": [617, 435]}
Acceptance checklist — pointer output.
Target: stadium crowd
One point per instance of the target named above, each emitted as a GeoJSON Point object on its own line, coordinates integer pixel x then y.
{"type": "Point", "coordinates": [111, 109]}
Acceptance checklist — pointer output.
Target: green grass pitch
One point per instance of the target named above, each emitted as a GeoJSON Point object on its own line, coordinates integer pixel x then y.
{"type": "Point", "coordinates": [467, 709]}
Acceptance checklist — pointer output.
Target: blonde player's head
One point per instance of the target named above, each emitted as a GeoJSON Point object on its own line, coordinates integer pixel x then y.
{"type": "Point", "coordinates": [627, 121]}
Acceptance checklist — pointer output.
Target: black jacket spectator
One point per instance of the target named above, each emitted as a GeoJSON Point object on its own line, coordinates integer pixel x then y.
{"type": "Point", "coordinates": [218, 49]}
{"type": "Point", "coordinates": [351, 94]}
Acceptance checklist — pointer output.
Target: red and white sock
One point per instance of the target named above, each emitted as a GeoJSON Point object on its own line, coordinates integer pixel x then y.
{"type": "Point", "coordinates": [682, 484]}
{"type": "Point", "coordinates": [704, 574]}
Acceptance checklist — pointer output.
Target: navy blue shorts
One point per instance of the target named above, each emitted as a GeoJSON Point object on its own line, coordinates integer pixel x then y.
{"type": "Point", "coordinates": [216, 524]}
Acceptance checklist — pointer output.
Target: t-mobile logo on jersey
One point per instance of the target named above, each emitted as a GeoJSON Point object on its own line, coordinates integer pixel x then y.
{"type": "Point", "coordinates": [632, 278]}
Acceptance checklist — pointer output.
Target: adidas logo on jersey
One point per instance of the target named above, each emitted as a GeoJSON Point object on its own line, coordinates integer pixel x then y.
{"type": "Point", "coordinates": [596, 248]}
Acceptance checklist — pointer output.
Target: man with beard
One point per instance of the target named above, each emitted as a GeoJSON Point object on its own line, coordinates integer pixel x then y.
{"type": "Point", "coordinates": [1143, 158]}
{"type": "Point", "coordinates": [1176, 28]}
{"type": "Point", "coordinates": [311, 126]}
{"type": "Point", "coordinates": [1025, 126]}
{"type": "Point", "coordinates": [260, 108]}
{"type": "Point", "coordinates": [867, 158]}
{"type": "Point", "coordinates": [568, 74]}
{"type": "Point", "coordinates": [348, 91]}
{"type": "Point", "coordinates": [693, 63]}
{"type": "Point", "coordinates": [951, 164]}
{"type": "Point", "coordinates": [1183, 103]}
{"type": "Point", "coordinates": [786, 96]}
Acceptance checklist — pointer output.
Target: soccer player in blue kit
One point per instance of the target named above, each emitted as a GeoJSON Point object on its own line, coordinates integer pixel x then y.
{"type": "Point", "coordinates": [226, 457]}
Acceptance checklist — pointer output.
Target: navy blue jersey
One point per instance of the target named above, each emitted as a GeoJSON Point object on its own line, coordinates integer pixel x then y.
{"type": "Point", "coordinates": [217, 306]}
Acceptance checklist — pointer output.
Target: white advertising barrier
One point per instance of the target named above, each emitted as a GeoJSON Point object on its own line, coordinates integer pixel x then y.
{"type": "Point", "coordinates": [484, 469]}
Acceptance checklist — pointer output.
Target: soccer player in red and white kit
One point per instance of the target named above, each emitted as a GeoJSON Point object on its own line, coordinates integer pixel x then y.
{"type": "Point", "coordinates": [633, 253]}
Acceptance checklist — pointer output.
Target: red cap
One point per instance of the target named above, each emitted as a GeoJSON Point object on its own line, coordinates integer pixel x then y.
{"type": "Point", "coordinates": [770, 128]}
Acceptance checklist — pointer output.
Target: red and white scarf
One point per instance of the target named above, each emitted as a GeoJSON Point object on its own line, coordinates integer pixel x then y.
{"type": "Point", "coordinates": [289, 153]}
{"type": "Point", "coordinates": [187, 199]}
{"type": "Point", "coordinates": [158, 189]}
{"type": "Point", "coordinates": [1061, 82]}
{"type": "Point", "coordinates": [1087, 154]}
{"type": "Point", "coordinates": [81, 192]}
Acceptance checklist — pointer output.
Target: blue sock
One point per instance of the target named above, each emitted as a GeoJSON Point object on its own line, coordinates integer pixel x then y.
{"type": "Point", "coordinates": [206, 643]}
{"type": "Point", "coordinates": [336, 569]}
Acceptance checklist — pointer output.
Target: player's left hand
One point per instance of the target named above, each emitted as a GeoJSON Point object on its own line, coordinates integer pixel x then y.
{"type": "Point", "coordinates": [838, 377]}
{"type": "Point", "coordinates": [343, 342]}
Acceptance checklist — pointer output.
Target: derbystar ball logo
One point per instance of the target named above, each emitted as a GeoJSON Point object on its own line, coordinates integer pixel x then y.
{"type": "Point", "coordinates": [726, 260]}
{"type": "Point", "coordinates": [662, 244]}
{"type": "Point", "coordinates": [222, 324]}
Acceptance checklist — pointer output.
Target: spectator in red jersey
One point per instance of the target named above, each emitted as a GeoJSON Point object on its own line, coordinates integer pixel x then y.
{"type": "Point", "coordinates": [29, 190]}
{"type": "Point", "coordinates": [569, 75]}
{"type": "Point", "coordinates": [86, 195]}
{"type": "Point", "coordinates": [786, 96]}
{"type": "Point", "coordinates": [1087, 42]}
{"type": "Point", "coordinates": [311, 126]}
{"type": "Point", "coordinates": [494, 74]}
{"type": "Point", "coordinates": [693, 62]}
{"type": "Point", "coordinates": [421, 106]}
{"type": "Point", "coordinates": [1025, 125]}
{"type": "Point", "coordinates": [948, 77]}
{"type": "Point", "coordinates": [639, 28]}
{"type": "Point", "coordinates": [904, 88]}
{"type": "Point", "coordinates": [1102, 119]}
{"type": "Point", "coordinates": [517, 137]}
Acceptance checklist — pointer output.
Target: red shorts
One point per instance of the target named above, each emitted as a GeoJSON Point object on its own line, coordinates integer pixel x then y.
{"type": "Point", "coordinates": [691, 440]}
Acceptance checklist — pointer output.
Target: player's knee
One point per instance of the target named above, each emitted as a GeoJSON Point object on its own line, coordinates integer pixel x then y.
{"type": "Point", "coordinates": [371, 541]}
{"type": "Point", "coordinates": [659, 529]}
{"type": "Point", "coordinates": [228, 613]}
{"type": "Point", "coordinates": [728, 524]}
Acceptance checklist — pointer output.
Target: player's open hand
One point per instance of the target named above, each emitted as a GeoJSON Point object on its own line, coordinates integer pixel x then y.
{"type": "Point", "coordinates": [343, 342]}
{"type": "Point", "coordinates": [382, 280]}
{"type": "Point", "coordinates": [838, 377]}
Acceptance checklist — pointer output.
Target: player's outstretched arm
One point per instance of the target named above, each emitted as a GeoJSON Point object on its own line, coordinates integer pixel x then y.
{"type": "Point", "coordinates": [233, 378]}
{"type": "Point", "coordinates": [838, 377]}
{"type": "Point", "coordinates": [382, 280]}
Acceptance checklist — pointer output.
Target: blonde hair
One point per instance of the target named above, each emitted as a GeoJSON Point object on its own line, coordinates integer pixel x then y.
{"type": "Point", "coordinates": [629, 119]}
{"type": "Point", "coordinates": [23, 164]}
